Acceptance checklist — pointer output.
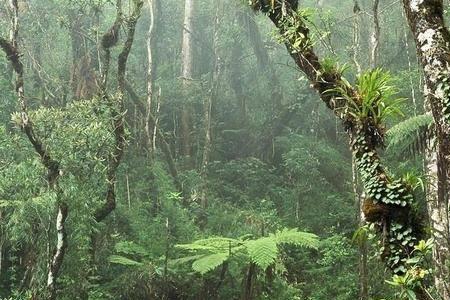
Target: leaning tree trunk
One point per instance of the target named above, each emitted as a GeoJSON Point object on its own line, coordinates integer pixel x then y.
{"type": "Point", "coordinates": [389, 200]}
{"type": "Point", "coordinates": [426, 21]}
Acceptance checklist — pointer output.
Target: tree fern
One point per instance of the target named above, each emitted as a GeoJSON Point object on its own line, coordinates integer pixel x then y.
{"type": "Point", "coordinates": [209, 262]}
{"type": "Point", "coordinates": [130, 248]}
{"type": "Point", "coordinates": [122, 260]}
{"type": "Point", "coordinates": [297, 238]}
{"type": "Point", "coordinates": [213, 245]}
{"type": "Point", "coordinates": [410, 136]}
{"type": "Point", "coordinates": [263, 251]}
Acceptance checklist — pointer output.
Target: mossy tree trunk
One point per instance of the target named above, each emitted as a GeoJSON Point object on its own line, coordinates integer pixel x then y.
{"type": "Point", "coordinates": [432, 37]}
{"type": "Point", "coordinates": [389, 198]}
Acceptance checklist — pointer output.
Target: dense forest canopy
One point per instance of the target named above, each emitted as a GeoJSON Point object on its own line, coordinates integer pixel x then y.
{"type": "Point", "coordinates": [218, 149]}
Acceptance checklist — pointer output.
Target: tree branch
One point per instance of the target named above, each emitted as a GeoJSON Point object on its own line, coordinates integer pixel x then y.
{"type": "Point", "coordinates": [117, 109]}
{"type": "Point", "coordinates": [388, 205]}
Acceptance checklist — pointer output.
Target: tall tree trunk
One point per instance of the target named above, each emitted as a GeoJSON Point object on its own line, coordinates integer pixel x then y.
{"type": "Point", "coordinates": [278, 114]}
{"type": "Point", "coordinates": [356, 35]}
{"type": "Point", "coordinates": [432, 37]}
{"type": "Point", "coordinates": [153, 8]}
{"type": "Point", "coordinates": [109, 40]}
{"type": "Point", "coordinates": [379, 186]}
{"type": "Point", "coordinates": [207, 108]}
{"type": "Point", "coordinates": [363, 275]}
{"type": "Point", "coordinates": [151, 127]}
{"type": "Point", "coordinates": [248, 282]}
{"type": "Point", "coordinates": [236, 73]}
{"type": "Point", "coordinates": [187, 73]}
{"type": "Point", "coordinates": [375, 38]}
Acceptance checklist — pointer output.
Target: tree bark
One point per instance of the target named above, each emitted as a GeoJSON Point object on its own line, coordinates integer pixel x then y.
{"type": "Point", "coordinates": [389, 197]}
{"type": "Point", "coordinates": [151, 45]}
{"type": "Point", "coordinates": [187, 74]}
{"type": "Point", "coordinates": [207, 108]}
{"type": "Point", "coordinates": [432, 37]}
{"type": "Point", "coordinates": [375, 38]}
{"type": "Point", "coordinates": [117, 109]}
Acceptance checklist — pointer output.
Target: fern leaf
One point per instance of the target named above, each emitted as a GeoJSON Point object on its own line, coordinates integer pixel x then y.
{"type": "Point", "coordinates": [209, 262]}
{"type": "Point", "coordinates": [298, 238]}
{"type": "Point", "coordinates": [410, 136]}
{"type": "Point", "coordinates": [218, 242]}
{"type": "Point", "coordinates": [184, 260]}
{"type": "Point", "coordinates": [195, 247]}
{"type": "Point", "coordinates": [122, 260]}
{"type": "Point", "coordinates": [263, 251]}
{"type": "Point", "coordinates": [130, 248]}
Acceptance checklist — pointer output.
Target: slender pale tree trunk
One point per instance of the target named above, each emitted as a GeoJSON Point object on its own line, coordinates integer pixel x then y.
{"type": "Point", "coordinates": [356, 35]}
{"type": "Point", "coordinates": [363, 247]}
{"type": "Point", "coordinates": [187, 73]}
{"type": "Point", "coordinates": [207, 108]}
{"type": "Point", "coordinates": [375, 37]}
{"type": "Point", "coordinates": [152, 6]}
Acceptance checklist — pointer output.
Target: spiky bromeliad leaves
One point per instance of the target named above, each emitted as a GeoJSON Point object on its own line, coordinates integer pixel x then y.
{"type": "Point", "coordinates": [213, 252]}
{"type": "Point", "coordinates": [374, 102]}
{"type": "Point", "coordinates": [363, 108]}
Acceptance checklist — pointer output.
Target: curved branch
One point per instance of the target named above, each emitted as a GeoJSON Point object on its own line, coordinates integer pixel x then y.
{"type": "Point", "coordinates": [53, 166]}
{"type": "Point", "coordinates": [117, 109]}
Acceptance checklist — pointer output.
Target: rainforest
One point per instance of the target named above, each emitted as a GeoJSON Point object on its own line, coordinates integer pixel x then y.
{"type": "Point", "coordinates": [224, 150]}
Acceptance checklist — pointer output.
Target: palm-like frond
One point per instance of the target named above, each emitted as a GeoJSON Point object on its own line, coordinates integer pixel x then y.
{"type": "Point", "coordinates": [209, 262]}
{"type": "Point", "coordinates": [213, 252]}
{"type": "Point", "coordinates": [122, 260]}
{"type": "Point", "coordinates": [263, 251]}
{"type": "Point", "coordinates": [297, 238]}
{"type": "Point", "coordinates": [411, 136]}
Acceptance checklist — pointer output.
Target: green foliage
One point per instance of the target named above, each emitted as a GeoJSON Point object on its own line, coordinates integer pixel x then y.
{"type": "Point", "coordinates": [415, 274]}
{"type": "Point", "coordinates": [294, 32]}
{"type": "Point", "coordinates": [376, 99]}
{"type": "Point", "coordinates": [263, 251]}
{"type": "Point", "coordinates": [122, 260]}
{"type": "Point", "coordinates": [411, 136]}
{"type": "Point", "coordinates": [331, 66]}
{"type": "Point", "coordinates": [209, 262]}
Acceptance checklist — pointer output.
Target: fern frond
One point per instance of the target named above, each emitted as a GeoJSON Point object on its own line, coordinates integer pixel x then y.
{"type": "Point", "coordinates": [209, 262]}
{"type": "Point", "coordinates": [195, 247]}
{"type": "Point", "coordinates": [411, 136]}
{"type": "Point", "coordinates": [297, 238]}
{"type": "Point", "coordinates": [184, 260]}
{"type": "Point", "coordinates": [263, 251]}
{"type": "Point", "coordinates": [122, 260]}
{"type": "Point", "coordinates": [130, 248]}
{"type": "Point", "coordinates": [214, 244]}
